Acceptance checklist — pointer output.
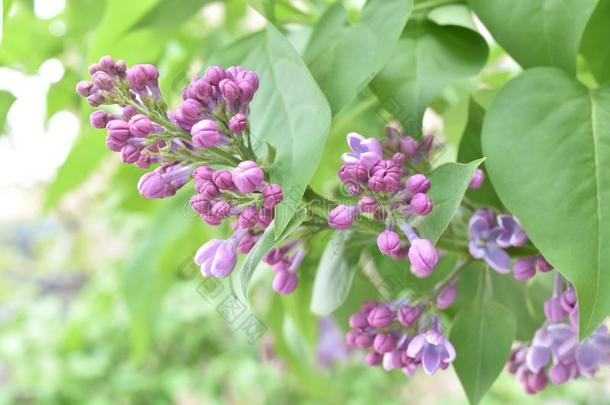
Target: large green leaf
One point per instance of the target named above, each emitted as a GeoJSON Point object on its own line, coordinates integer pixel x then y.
{"type": "Point", "coordinates": [549, 161]}
{"type": "Point", "coordinates": [482, 334]}
{"type": "Point", "coordinates": [6, 101]}
{"type": "Point", "coordinates": [537, 32]}
{"type": "Point", "coordinates": [335, 273]}
{"type": "Point", "coordinates": [427, 58]}
{"type": "Point", "coordinates": [449, 184]}
{"type": "Point", "coordinates": [594, 45]}
{"type": "Point", "coordinates": [342, 58]}
{"type": "Point", "coordinates": [290, 112]}
{"type": "Point", "coordinates": [470, 149]}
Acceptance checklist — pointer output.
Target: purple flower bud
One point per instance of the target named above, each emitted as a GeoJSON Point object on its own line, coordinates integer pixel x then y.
{"type": "Point", "coordinates": [164, 181]}
{"type": "Point", "coordinates": [373, 359]}
{"type": "Point", "coordinates": [221, 209]}
{"type": "Point", "coordinates": [535, 382]}
{"type": "Point", "coordinates": [103, 80]}
{"type": "Point", "coordinates": [238, 123]}
{"type": "Point", "coordinates": [209, 190]}
{"type": "Point", "coordinates": [568, 299]}
{"type": "Point", "coordinates": [377, 184]}
{"type": "Point", "coordinates": [367, 204]}
{"type": "Point", "coordinates": [120, 66]}
{"type": "Point", "coordinates": [423, 257]}
{"type": "Point", "coordinates": [273, 256]}
{"type": "Point", "coordinates": [247, 243]}
{"type": "Point", "coordinates": [380, 317]}
{"type": "Point", "coordinates": [408, 146]}
{"type": "Point", "coordinates": [553, 310]}
{"type": "Point", "coordinates": [99, 119]}
{"type": "Point", "coordinates": [216, 258]}
{"type": "Point", "coordinates": [128, 112]}
{"type": "Point", "coordinates": [446, 297]}
{"type": "Point", "coordinates": [144, 161]}
{"type": "Point", "coordinates": [140, 126]}
{"type": "Point", "coordinates": [247, 176]}
{"type": "Point", "coordinates": [95, 100]}
{"type": "Point", "coordinates": [265, 216]}
{"type": "Point", "coordinates": [358, 320]}
{"type": "Point", "coordinates": [118, 131]}
{"type": "Point", "coordinates": [524, 268]}
{"type": "Point", "coordinates": [83, 88]}
{"type": "Point", "coordinates": [285, 282]}
{"type": "Point", "coordinates": [388, 242]}
{"type": "Point", "coordinates": [246, 91]}
{"type": "Point", "coordinates": [384, 343]}
{"type": "Point", "coordinates": [542, 265]}
{"type": "Point", "coordinates": [248, 218]}
{"type": "Point", "coordinates": [130, 153]}
{"type": "Point", "coordinates": [407, 315]}
{"type": "Point", "coordinates": [272, 195]}
{"type": "Point", "coordinates": [204, 173]}
{"type": "Point", "coordinates": [106, 63]}
{"type": "Point", "coordinates": [399, 159]}
{"type": "Point", "coordinates": [477, 179]}
{"type": "Point", "coordinates": [223, 179]}
{"type": "Point", "coordinates": [211, 219]}
{"type": "Point", "coordinates": [342, 217]}
{"type": "Point", "coordinates": [205, 134]}
{"type": "Point", "coordinates": [200, 90]}
{"type": "Point", "coordinates": [201, 204]}
{"type": "Point", "coordinates": [363, 340]}
{"type": "Point", "coordinates": [350, 337]}
{"type": "Point", "coordinates": [229, 90]}
{"type": "Point", "coordinates": [421, 204]}
{"type": "Point", "coordinates": [559, 373]}
{"type": "Point", "coordinates": [214, 74]}
{"type": "Point", "coordinates": [418, 183]}
{"type": "Point", "coordinates": [138, 77]}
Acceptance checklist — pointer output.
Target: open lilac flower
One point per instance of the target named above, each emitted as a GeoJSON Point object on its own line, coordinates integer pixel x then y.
{"type": "Point", "coordinates": [512, 232]}
{"type": "Point", "coordinates": [434, 350]}
{"type": "Point", "coordinates": [365, 151]}
{"type": "Point", "coordinates": [483, 241]}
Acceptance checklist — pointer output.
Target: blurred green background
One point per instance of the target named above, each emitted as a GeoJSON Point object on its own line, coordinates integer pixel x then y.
{"type": "Point", "coordinates": [98, 300]}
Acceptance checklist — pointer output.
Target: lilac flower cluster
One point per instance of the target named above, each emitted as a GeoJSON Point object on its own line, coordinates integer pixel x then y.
{"type": "Point", "coordinates": [555, 353]}
{"type": "Point", "coordinates": [491, 235]}
{"type": "Point", "coordinates": [207, 138]}
{"type": "Point", "coordinates": [400, 336]}
{"type": "Point", "coordinates": [389, 188]}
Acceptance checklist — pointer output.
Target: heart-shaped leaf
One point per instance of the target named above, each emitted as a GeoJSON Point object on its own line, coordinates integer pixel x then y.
{"type": "Point", "coordinates": [290, 112]}
{"type": "Point", "coordinates": [343, 58]}
{"type": "Point", "coordinates": [482, 334]}
{"type": "Point", "coordinates": [427, 58]}
{"type": "Point", "coordinates": [537, 32]}
{"type": "Point", "coordinates": [449, 184]}
{"type": "Point", "coordinates": [547, 139]}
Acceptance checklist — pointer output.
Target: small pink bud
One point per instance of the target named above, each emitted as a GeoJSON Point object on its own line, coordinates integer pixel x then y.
{"type": "Point", "coordinates": [247, 176]}
{"type": "Point", "coordinates": [421, 204]}
{"type": "Point", "coordinates": [477, 179]}
{"type": "Point", "coordinates": [388, 243]}
{"type": "Point", "coordinates": [285, 282]}
{"type": "Point", "coordinates": [418, 183]}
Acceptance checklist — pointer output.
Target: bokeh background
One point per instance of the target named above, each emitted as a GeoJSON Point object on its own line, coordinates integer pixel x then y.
{"type": "Point", "coordinates": [98, 301]}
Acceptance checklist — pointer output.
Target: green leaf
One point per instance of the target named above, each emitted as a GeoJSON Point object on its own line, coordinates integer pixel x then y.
{"type": "Point", "coordinates": [335, 274]}
{"type": "Point", "coordinates": [470, 149]}
{"type": "Point", "coordinates": [6, 101]}
{"type": "Point", "coordinates": [549, 161]}
{"type": "Point", "coordinates": [482, 335]}
{"type": "Point", "coordinates": [449, 184]}
{"type": "Point", "coordinates": [537, 32]}
{"type": "Point", "coordinates": [427, 59]}
{"type": "Point", "coordinates": [594, 42]}
{"type": "Point", "coordinates": [343, 59]}
{"type": "Point", "coordinates": [290, 112]}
